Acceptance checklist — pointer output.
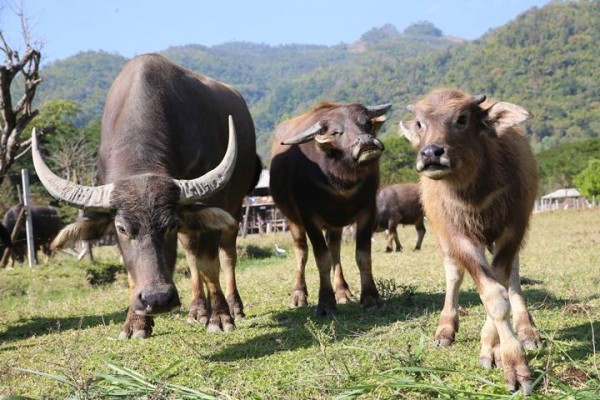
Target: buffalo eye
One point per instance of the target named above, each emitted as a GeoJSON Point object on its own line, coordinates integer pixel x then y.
{"type": "Point", "coordinates": [121, 229]}
{"type": "Point", "coordinates": [462, 120]}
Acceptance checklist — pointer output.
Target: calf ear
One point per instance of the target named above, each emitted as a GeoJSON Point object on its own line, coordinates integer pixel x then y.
{"type": "Point", "coordinates": [409, 133]}
{"type": "Point", "coordinates": [502, 115]}
{"type": "Point", "coordinates": [91, 226]}
{"type": "Point", "coordinates": [203, 219]}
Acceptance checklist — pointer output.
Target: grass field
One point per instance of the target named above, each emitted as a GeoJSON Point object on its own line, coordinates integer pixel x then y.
{"type": "Point", "coordinates": [58, 333]}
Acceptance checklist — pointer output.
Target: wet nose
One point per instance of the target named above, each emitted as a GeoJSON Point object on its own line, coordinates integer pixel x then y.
{"type": "Point", "coordinates": [432, 151]}
{"type": "Point", "coordinates": [365, 139]}
{"type": "Point", "coordinates": [157, 299]}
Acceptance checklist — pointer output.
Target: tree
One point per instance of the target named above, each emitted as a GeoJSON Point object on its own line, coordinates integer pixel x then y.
{"type": "Point", "coordinates": [15, 117]}
{"type": "Point", "coordinates": [588, 180]}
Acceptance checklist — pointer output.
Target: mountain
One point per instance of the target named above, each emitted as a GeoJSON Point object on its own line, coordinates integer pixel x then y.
{"type": "Point", "coordinates": [545, 60]}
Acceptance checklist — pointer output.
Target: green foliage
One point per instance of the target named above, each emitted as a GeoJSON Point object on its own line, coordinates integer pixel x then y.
{"type": "Point", "coordinates": [397, 163]}
{"type": "Point", "coordinates": [588, 180]}
{"type": "Point", "coordinates": [545, 60]}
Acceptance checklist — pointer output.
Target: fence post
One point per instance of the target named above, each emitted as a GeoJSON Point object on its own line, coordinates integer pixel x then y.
{"type": "Point", "coordinates": [28, 223]}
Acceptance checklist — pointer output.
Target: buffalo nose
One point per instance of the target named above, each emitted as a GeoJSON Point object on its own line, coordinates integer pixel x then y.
{"type": "Point", "coordinates": [432, 151]}
{"type": "Point", "coordinates": [158, 299]}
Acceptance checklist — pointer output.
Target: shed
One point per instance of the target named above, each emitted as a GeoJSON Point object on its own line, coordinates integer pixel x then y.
{"type": "Point", "coordinates": [562, 199]}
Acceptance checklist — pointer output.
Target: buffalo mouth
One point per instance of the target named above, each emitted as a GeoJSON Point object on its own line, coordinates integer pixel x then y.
{"type": "Point", "coordinates": [434, 170]}
{"type": "Point", "coordinates": [367, 153]}
{"type": "Point", "coordinates": [153, 300]}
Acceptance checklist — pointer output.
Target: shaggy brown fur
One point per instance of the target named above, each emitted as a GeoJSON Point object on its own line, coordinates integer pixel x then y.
{"type": "Point", "coordinates": [478, 187]}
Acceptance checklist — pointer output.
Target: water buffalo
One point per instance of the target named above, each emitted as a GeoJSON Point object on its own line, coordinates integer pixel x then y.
{"type": "Point", "coordinates": [399, 204]}
{"type": "Point", "coordinates": [478, 187]}
{"type": "Point", "coordinates": [324, 175]}
{"type": "Point", "coordinates": [46, 225]}
{"type": "Point", "coordinates": [173, 165]}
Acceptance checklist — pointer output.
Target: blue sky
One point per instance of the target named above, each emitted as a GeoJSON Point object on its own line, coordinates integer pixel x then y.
{"type": "Point", "coordinates": [131, 27]}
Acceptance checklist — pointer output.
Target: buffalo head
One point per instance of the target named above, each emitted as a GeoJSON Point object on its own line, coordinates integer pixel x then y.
{"type": "Point", "coordinates": [449, 129]}
{"type": "Point", "coordinates": [145, 211]}
{"type": "Point", "coordinates": [346, 132]}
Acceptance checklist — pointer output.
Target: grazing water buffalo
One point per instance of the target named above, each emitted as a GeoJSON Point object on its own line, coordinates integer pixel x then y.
{"type": "Point", "coordinates": [399, 204]}
{"type": "Point", "coordinates": [168, 167]}
{"type": "Point", "coordinates": [324, 175]}
{"type": "Point", "coordinates": [46, 225]}
{"type": "Point", "coordinates": [478, 187]}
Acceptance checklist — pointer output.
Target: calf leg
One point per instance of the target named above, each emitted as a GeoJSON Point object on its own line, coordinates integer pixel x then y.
{"type": "Point", "coordinates": [492, 283]}
{"type": "Point", "coordinates": [340, 286]}
{"type": "Point", "coordinates": [369, 296]}
{"type": "Point", "coordinates": [299, 290]}
{"type": "Point", "coordinates": [523, 323]}
{"type": "Point", "coordinates": [420, 227]}
{"type": "Point", "coordinates": [228, 259]}
{"type": "Point", "coordinates": [199, 305]}
{"type": "Point", "coordinates": [448, 325]}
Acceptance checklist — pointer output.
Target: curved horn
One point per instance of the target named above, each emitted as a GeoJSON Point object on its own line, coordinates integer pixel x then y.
{"type": "Point", "coordinates": [305, 136]}
{"type": "Point", "coordinates": [480, 98]}
{"type": "Point", "coordinates": [378, 110]}
{"type": "Point", "coordinates": [208, 184]}
{"type": "Point", "coordinates": [91, 197]}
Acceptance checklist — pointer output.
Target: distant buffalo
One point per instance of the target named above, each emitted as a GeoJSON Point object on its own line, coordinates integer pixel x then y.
{"type": "Point", "coordinates": [399, 204]}
{"type": "Point", "coordinates": [46, 225]}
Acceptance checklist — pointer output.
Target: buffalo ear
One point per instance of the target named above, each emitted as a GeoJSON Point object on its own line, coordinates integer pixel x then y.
{"type": "Point", "coordinates": [91, 226]}
{"type": "Point", "coordinates": [409, 133]}
{"type": "Point", "coordinates": [502, 115]}
{"type": "Point", "coordinates": [204, 219]}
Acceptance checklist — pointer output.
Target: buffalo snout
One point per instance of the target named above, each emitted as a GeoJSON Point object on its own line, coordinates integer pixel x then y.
{"type": "Point", "coordinates": [433, 161]}
{"type": "Point", "coordinates": [156, 299]}
{"type": "Point", "coordinates": [366, 148]}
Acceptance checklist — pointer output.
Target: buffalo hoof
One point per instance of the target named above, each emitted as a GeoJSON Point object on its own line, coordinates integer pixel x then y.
{"type": "Point", "coordinates": [530, 339]}
{"type": "Point", "coordinates": [299, 299]}
{"type": "Point", "coordinates": [220, 323]}
{"type": "Point", "coordinates": [236, 308]}
{"type": "Point", "coordinates": [388, 249]}
{"type": "Point", "coordinates": [136, 327]}
{"type": "Point", "coordinates": [326, 310]}
{"type": "Point", "coordinates": [343, 296]}
{"type": "Point", "coordinates": [372, 303]}
{"type": "Point", "coordinates": [518, 377]}
{"type": "Point", "coordinates": [198, 313]}
{"type": "Point", "coordinates": [493, 359]}
{"type": "Point", "coordinates": [399, 250]}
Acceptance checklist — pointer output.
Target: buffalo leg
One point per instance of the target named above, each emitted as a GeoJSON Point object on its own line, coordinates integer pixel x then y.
{"type": "Point", "coordinates": [299, 290]}
{"type": "Point", "coordinates": [369, 296]}
{"type": "Point", "coordinates": [420, 227]}
{"type": "Point", "coordinates": [136, 326]}
{"type": "Point", "coordinates": [523, 323]}
{"type": "Point", "coordinates": [324, 262]}
{"type": "Point", "coordinates": [201, 252]}
{"type": "Point", "coordinates": [492, 285]}
{"type": "Point", "coordinates": [448, 325]}
{"type": "Point", "coordinates": [340, 286]}
{"type": "Point", "coordinates": [228, 259]}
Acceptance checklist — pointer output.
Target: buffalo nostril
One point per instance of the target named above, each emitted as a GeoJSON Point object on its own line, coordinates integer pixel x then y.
{"type": "Point", "coordinates": [438, 152]}
{"type": "Point", "coordinates": [157, 300]}
{"type": "Point", "coordinates": [432, 151]}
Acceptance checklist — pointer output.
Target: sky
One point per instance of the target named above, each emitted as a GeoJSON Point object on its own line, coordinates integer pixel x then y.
{"type": "Point", "coordinates": [131, 27]}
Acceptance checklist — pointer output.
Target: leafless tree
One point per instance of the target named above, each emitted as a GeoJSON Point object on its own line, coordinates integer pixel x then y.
{"type": "Point", "coordinates": [15, 117]}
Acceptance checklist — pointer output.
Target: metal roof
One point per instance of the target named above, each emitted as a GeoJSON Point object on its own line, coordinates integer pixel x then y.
{"type": "Point", "coordinates": [562, 194]}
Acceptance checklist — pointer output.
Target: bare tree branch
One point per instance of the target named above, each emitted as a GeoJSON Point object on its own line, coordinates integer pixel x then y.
{"type": "Point", "coordinates": [14, 118]}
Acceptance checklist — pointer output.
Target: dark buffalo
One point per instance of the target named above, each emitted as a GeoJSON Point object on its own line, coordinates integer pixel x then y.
{"type": "Point", "coordinates": [168, 167]}
{"type": "Point", "coordinates": [399, 204]}
{"type": "Point", "coordinates": [324, 175]}
{"type": "Point", "coordinates": [46, 225]}
{"type": "Point", "coordinates": [5, 241]}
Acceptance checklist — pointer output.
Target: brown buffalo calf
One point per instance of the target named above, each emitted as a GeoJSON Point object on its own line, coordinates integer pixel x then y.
{"type": "Point", "coordinates": [324, 175]}
{"type": "Point", "coordinates": [478, 187]}
{"type": "Point", "coordinates": [399, 204]}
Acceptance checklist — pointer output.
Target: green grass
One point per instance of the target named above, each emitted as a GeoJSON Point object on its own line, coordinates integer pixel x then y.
{"type": "Point", "coordinates": [58, 332]}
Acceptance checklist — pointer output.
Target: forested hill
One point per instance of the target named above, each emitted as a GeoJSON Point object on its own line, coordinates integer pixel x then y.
{"type": "Point", "coordinates": [546, 60]}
